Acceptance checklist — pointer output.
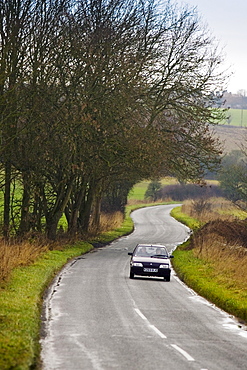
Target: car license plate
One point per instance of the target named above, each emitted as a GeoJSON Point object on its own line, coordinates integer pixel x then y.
{"type": "Point", "coordinates": [150, 270]}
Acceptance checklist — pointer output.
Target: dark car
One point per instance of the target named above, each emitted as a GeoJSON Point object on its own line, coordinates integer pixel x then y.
{"type": "Point", "coordinates": [150, 260]}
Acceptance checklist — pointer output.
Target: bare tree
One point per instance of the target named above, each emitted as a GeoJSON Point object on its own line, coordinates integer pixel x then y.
{"type": "Point", "coordinates": [101, 92]}
{"type": "Point", "coordinates": [14, 17]}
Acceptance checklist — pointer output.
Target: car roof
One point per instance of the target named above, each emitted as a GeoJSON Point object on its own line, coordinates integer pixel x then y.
{"type": "Point", "coordinates": [151, 245]}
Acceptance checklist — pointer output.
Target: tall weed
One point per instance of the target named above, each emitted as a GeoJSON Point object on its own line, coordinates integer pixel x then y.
{"type": "Point", "coordinates": [229, 260]}
{"type": "Point", "coordinates": [18, 254]}
{"type": "Point", "coordinates": [214, 260]}
{"type": "Point", "coordinates": [110, 221]}
{"type": "Point", "coordinates": [214, 208]}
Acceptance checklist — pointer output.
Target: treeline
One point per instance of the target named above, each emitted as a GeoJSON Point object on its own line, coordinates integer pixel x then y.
{"type": "Point", "coordinates": [181, 192]}
{"type": "Point", "coordinates": [95, 96]}
{"type": "Point", "coordinates": [232, 183]}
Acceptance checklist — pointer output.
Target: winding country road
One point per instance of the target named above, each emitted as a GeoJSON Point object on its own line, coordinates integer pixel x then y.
{"type": "Point", "coordinates": [97, 318]}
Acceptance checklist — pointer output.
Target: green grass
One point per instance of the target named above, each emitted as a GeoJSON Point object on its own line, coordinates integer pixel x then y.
{"type": "Point", "coordinates": [242, 215]}
{"type": "Point", "coordinates": [236, 117]}
{"type": "Point", "coordinates": [139, 190]}
{"type": "Point", "coordinates": [192, 223]}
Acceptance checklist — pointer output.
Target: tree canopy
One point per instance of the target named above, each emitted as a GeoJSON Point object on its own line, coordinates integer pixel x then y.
{"type": "Point", "coordinates": [233, 177]}
{"type": "Point", "coordinates": [96, 93]}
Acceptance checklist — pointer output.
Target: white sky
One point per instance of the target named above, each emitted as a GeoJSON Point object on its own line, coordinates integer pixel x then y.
{"type": "Point", "coordinates": [227, 21]}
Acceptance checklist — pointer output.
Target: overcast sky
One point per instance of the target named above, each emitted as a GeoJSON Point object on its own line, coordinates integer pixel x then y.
{"type": "Point", "coordinates": [227, 21]}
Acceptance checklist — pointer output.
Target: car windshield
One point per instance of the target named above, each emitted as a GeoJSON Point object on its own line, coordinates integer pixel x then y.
{"type": "Point", "coordinates": [152, 251]}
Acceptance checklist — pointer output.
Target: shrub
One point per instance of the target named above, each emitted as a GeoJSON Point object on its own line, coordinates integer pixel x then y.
{"type": "Point", "coordinates": [181, 192]}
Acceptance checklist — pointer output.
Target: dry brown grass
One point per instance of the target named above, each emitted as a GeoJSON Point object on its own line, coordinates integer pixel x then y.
{"type": "Point", "coordinates": [110, 221]}
{"type": "Point", "coordinates": [16, 254]}
{"type": "Point", "coordinates": [134, 202]}
{"type": "Point", "coordinates": [219, 208]}
{"type": "Point", "coordinates": [222, 240]}
{"type": "Point", "coordinates": [229, 260]}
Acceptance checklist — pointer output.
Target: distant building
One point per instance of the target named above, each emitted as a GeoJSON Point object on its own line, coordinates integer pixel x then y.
{"type": "Point", "coordinates": [235, 101]}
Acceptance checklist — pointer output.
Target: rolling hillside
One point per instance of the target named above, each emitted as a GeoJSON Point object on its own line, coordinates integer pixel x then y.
{"type": "Point", "coordinates": [232, 137]}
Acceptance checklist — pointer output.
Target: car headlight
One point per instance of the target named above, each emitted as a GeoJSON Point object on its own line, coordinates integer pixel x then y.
{"type": "Point", "coordinates": [166, 266]}
{"type": "Point", "coordinates": [137, 264]}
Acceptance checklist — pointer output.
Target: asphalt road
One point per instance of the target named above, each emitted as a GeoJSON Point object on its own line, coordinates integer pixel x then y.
{"type": "Point", "coordinates": [97, 318]}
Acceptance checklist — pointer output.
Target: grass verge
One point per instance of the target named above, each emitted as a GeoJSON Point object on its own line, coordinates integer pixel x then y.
{"type": "Point", "coordinates": [191, 222]}
{"type": "Point", "coordinates": [211, 275]}
{"type": "Point", "coordinates": [20, 304]}
{"type": "Point", "coordinates": [207, 281]}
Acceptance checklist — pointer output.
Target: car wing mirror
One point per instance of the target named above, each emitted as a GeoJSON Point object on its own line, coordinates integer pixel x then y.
{"type": "Point", "coordinates": [171, 256]}
{"type": "Point", "coordinates": [130, 254]}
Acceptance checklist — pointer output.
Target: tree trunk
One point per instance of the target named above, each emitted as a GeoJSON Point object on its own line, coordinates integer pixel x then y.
{"type": "Point", "coordinates": [25, 214]}
{"type": "Point", "coordinates": [72, 214]}
{"type": "Point", "coordinates": [73, 219]}
{"type": "Point", "coordinates": [37, 213]}
{"type": "Point", "coordinates": [51, 228]}
{"type": "Point", "coordinates": [53, 216]}
{"type": "Point", "coordinates": [6, 216]}
{"type": "Point", "coordinates": [85, 210]}
{"type": "Point", "coordinates": [95, 223]}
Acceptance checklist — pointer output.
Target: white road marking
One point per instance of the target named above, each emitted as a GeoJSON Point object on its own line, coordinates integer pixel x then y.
{"type": "Point", "coordinates": [140, 314]}
{"type": "Point", "coordinates": [157, 331]}
{"type": "Point", "coordinates": [183, 352]}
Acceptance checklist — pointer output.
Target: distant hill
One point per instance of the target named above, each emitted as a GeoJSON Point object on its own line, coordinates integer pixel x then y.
{"type": "Point", "coordinates": [232, 131]}
{"type": "Point", "coordinates": [232, 137]}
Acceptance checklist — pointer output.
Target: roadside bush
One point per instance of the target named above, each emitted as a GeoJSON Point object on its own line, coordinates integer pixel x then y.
{"type": "Point", "coordinates": [201, 206]}
{"type": "Point", "coordinates": [181, 192]}
{"type": "Point", "coordinates": [209, 209]}
{"type": "Point", "coordinates": [231, 233]}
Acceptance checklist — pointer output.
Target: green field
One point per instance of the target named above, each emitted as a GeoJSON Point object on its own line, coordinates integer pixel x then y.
{"type": "Point", "coordinates": [236, 117]}
{"type": "Point", "coordinates": [139, 190]}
